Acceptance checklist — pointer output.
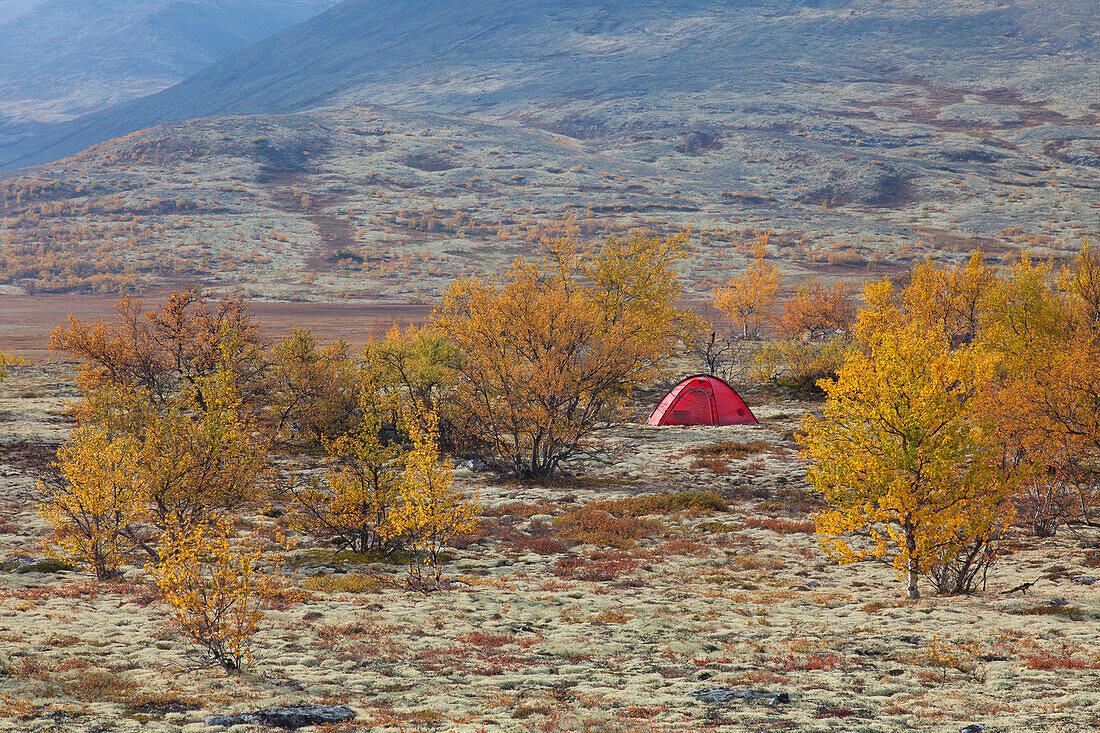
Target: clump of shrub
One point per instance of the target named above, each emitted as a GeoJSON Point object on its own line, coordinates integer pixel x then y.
{"type": "Point", "coordinates": [99, 685]}
{"type": "Point", "coordinates": [782, 526]}
{"type": "Point", "coordinates": [518, 509]}
{"type": "Point", "coordinates": [595, 526]}
{"type": "Point", "coordinates": [729, 449]}
{"type": "Point", "coordinates": [216, 593]}
{"type": "Point", "coordinates": [541, 545]}
{"type": "Point", "coordinates": [596, 569]}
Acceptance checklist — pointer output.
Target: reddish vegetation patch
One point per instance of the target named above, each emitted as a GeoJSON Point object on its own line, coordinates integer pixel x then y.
{"type": "Point", "coordinates": [575, 567]}
{"type": "Point", "coordinates": [833, 712]}
{"type": "Point", "coordinates": [543, 545]}
{"type": "Point", "coordinates": [782, 526]}
{"type": "Point", "coordinates": [594, 526]}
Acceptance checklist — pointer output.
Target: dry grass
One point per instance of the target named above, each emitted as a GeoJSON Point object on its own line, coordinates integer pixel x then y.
{"type": "Point", "coordinates": [348, 583]}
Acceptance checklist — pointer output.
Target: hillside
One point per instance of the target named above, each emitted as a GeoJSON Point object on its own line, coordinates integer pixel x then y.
{"type": "Point", "coordinates": [590, 69]}
{"type": "Point", "coordinates": [865, 136]}
{"type": "Point", "coordinates": [65, 58]}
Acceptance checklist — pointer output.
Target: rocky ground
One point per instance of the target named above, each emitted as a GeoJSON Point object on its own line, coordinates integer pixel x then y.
{"type": "Point", "coordinates": [713, 620]}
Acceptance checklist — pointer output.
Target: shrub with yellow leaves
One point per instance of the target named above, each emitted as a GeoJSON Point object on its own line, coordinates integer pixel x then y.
{"type": "Point", "coordinates": [141, 470]}
{"type": "Point", "coordinates": [430, 513]}
{"type": "Point", "coordinates": [354, 503]}
{"type": "Point", "coordinates": [216, 592]}
{"type": "Point", "coordinates": [97, 498]}
{"type": "Point", "coordinates": [5, 360]}
{"type": "Point", "coordinates": [553, 353]}
{"type": "Point", "coordinates": [201, 455]}
{"type": "Point", "coordinates": [748, 299]}
{"type": "Point", "coordinates": [903, 452]}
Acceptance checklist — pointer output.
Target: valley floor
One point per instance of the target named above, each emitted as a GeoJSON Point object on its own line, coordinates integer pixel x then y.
{"type": "Point", "coordinates": [586, 638]}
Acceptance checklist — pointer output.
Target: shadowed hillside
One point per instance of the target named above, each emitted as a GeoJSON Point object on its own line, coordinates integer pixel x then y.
{"type": "Point", "coordinates": [65, 58]}
{"type": "Point", "coordinates": [585, 68]}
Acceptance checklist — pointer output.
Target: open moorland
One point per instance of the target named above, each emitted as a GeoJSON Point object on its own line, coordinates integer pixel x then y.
{"type": "Point", "coordinates": [537, 629]}
{"type": "Point", "coordinates": [344, 174]}
{"type": "Point", "coordinates": [387, 206]}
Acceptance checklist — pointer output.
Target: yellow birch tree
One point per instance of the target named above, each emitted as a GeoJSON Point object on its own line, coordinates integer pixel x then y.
{"type": "Point", "coordinates": [97, 499]}
{"type": "Point", "coordinates": [551, 355]}
{"type": "Point", "coordinates": [902, 453]}
{"type": "Point", "coordinates": [355, 502]}
{"type": "Point", "coordinates": [748, 299]}
{"type": "Point", "coordinates": [216, 592]}
{"type": "Point", "coordinates": [430, 513]}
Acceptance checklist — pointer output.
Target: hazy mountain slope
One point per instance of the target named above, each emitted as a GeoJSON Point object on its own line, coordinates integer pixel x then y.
{"type": "Point", "coordinates": [63, 58]}
{"type": "Point", "coordinates": [670, 59]}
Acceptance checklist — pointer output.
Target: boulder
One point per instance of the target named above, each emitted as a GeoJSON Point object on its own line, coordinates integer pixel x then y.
{"type": "Point", "coordinates": [718, 694]}
{"type": "Point", "coordinates": [291, 717]}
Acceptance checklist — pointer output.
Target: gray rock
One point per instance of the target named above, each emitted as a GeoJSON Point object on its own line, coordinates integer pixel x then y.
{"type": "Point", "coordinates": [34, 565]}
{"type": "Point", "coordinates": [718, 694]}
{"type": "Point", "coordinates": [973, 728]}
{"type": "Point", "coordinates": [289, 718]}
{"type": "Point", "coordinates": [1086, 579]}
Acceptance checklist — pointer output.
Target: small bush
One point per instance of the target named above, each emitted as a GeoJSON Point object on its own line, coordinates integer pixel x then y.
{"type": "Point", "coordinates": [539, 545]}
{"type": "Point", "coordinates": [1064, 656]}
{"type": "Point", "coordinates": [215, 593]}
{"type": "Point", "coordinates": [712, 464]}
{"type": "Point", "coordinates": [99, 685]}
{"type": "Point", "coordinates": [575, 567]}
{"type": "Point", "coordinates": [518, 509]}
{"type": "Point", "coordinates": [594, 526]}
{"type": "Point", "coordinates": [782, 526]}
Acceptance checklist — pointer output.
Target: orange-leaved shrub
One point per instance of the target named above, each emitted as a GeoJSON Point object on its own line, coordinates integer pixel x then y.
{"type": "Point", "coordinates": [216, 590]}
{"type": "Point", "coordinates": [552, 354]}
{"type": "Point", "coordinates": [594, 526]}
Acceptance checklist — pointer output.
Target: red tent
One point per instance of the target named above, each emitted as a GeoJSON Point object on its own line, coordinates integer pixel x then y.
{"type": "Point", "coordinates": [702, 400]}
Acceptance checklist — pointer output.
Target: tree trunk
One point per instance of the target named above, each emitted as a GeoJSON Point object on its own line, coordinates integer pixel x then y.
{"type": "Point", "coordinates": [914, 593]}
{"type": "Point", "coordinates": [914, 561]}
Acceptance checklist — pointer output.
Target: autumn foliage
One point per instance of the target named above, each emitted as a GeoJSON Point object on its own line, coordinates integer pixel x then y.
{"type": "Point", "coordinates": [969, 401]}
{"type": "Point", "coordinates": [749, 299]}
{"type": "Point", "coordinates": [216, 591]}
{"type": "Point", "coordinates": [902, 452]}
{"type": "Point", "coordinates": [166, 350]}
{"type": "Point", "coordinates": [959, 401]}
{"type": "Point", "coordinates": [98, 499]}
{"type": "Point", "coordinates": [552, 354]}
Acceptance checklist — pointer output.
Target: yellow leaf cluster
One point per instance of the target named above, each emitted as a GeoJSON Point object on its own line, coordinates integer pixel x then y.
{"type": "Point", "coordinates": [136, 472]}
{"type": "Point", "coordinates": [551, 354]}
{"type": "Point", "coordinates": [313, 391]}
{"type": "Point", "coordinates": [902, 451]}
{"type": "Point", "coordinates": [98, 499]}
{"type": "Point", "coordinates": [388, 494]}
{"type": "Point", "coordinates": [358, 500]}
{"type": "Point", "coordinates": [749, 298]}
{"type": "Point", "coordinates": [430, 513]}
{"type": "Point", "coordinates": [215, 590]}
{"type": "Point", "coordinates": [6, 359]}
{"type": "Point", "coordinates": [1046, 332]}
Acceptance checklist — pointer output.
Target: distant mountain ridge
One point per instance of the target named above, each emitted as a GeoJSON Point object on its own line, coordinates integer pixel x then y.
{"type": "Point", "coordinates": [63, 58]}
{"type": "Point", "coordinates": [571, 64]}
